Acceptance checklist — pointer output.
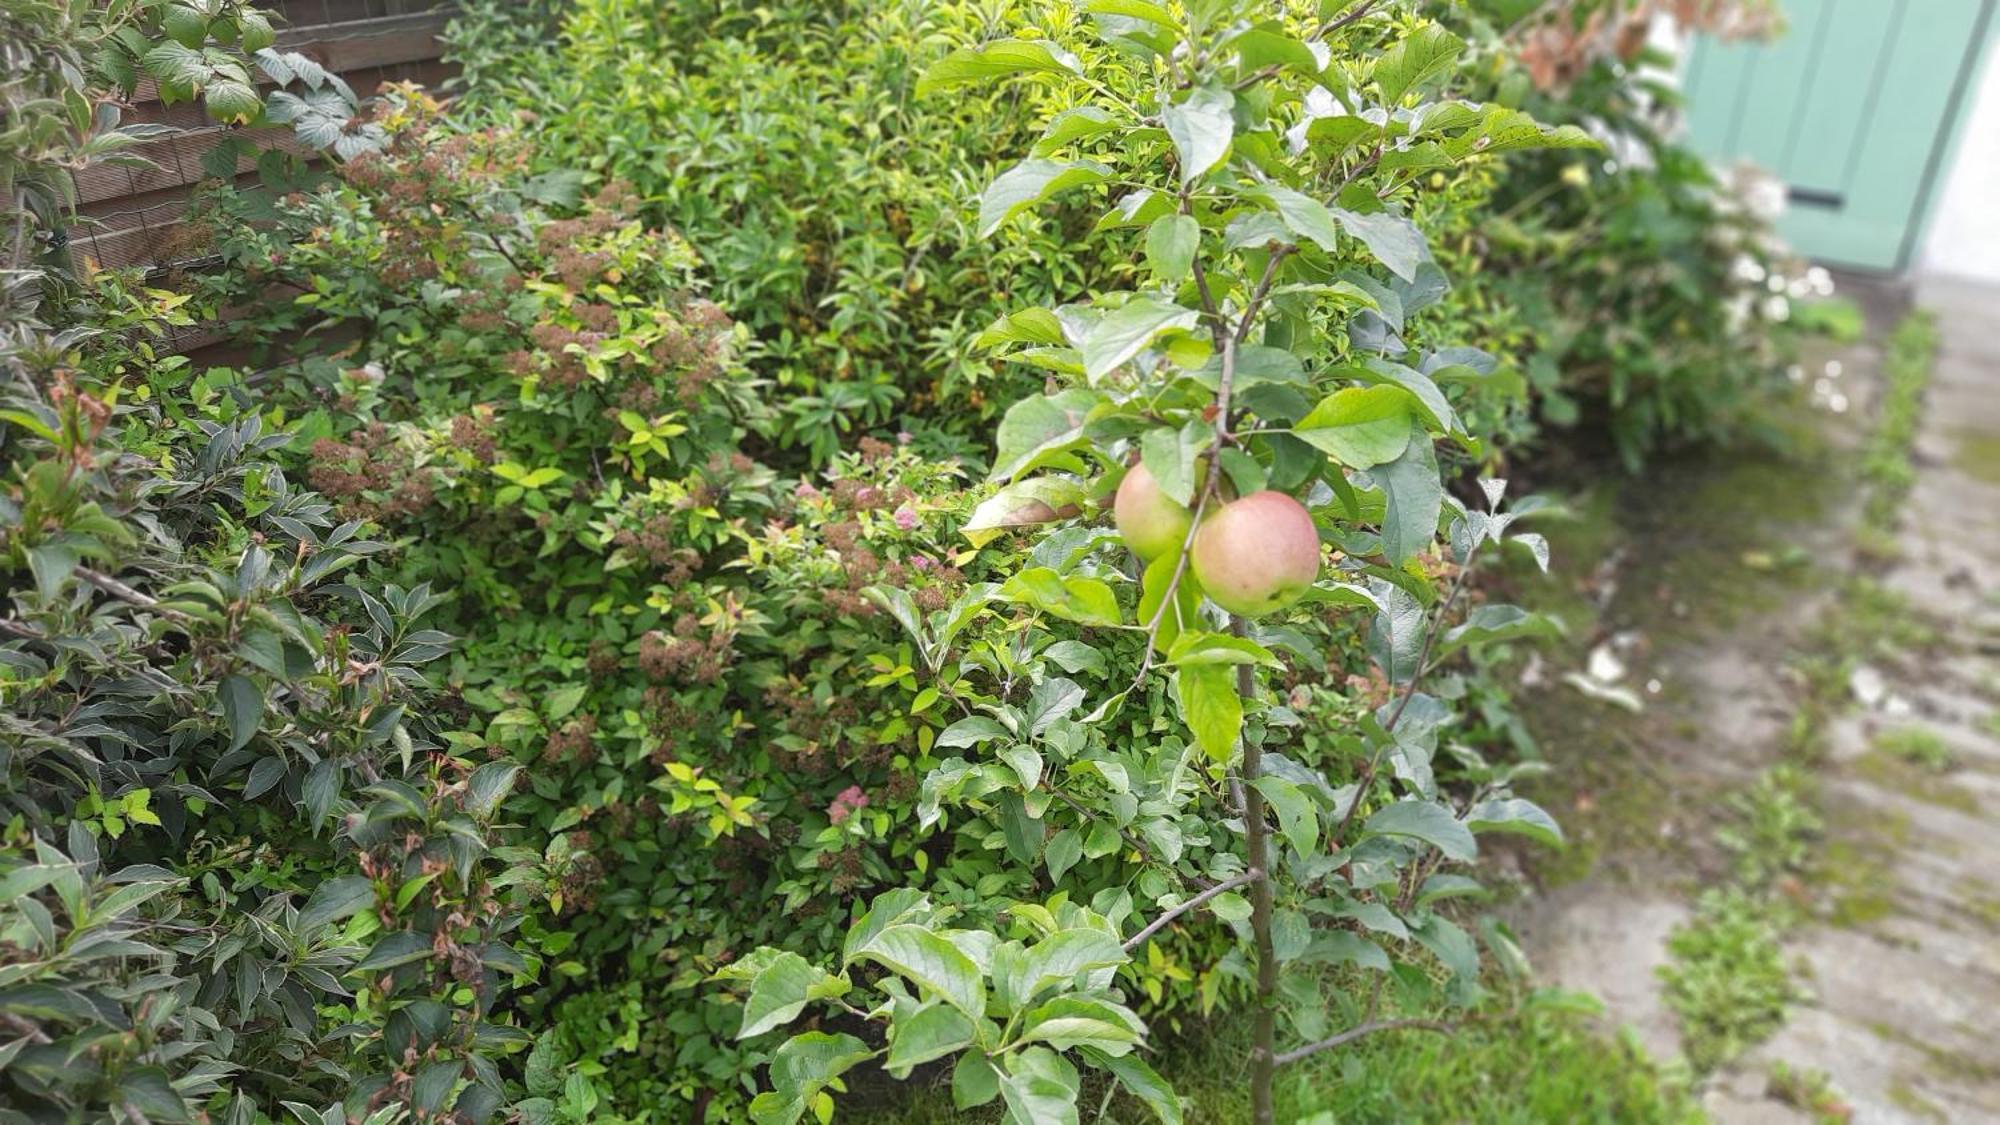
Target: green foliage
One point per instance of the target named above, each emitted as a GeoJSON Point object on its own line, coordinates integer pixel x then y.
{"type": "Point", "coordinates": [788, 145]}
{"type": "Point", "coordinates": [1643, 296]}
{"type": "Point", "coordinates": [240, 868]}
{"type": "Point", "coordinates": [1774, 831]}
{"type": "Point", "coordinates": [1728, 981]}
{"type": "Point", "coordinates": [1917, 744]}
{"type": "Point", "coordinates": [1885, 463]}
{"type": "Point", "coordinates": [1258, 343]}
{"type": "Point", "coordinates": [71, 67]}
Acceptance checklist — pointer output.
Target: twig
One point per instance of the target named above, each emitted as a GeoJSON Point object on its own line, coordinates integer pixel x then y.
{"type": "Point", "coordinates": [1410, 689]}
{"type": "Point", "coordinates": [1360, 1030]}
{"type": "Point", "coordinates": [1430, 641]}
{"type": "Point", "coordinates": [1160, 923]}
{"type": "Point", "coordinates": [1263, 290]}
{"type": "Point", "coordinates": [25, 632]}
{"type": "Point", "coordinates": [116, 588]}
{"type": "Point", "coordinates": [1321, 32]}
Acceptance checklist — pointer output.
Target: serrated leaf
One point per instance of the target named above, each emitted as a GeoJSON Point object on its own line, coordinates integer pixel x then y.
{"type": "Point", "coordinates": [931, 962]}
{"type": "Point", "coordinates": [1414, 61]}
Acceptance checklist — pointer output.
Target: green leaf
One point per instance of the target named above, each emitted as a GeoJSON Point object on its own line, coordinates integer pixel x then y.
{"type": "Point", "coordinates": [782, 990]}
{"type": "Point", "coordinates": [1141, 1081]}
{"type": "Point", "coordinates": [1061, 853]}
{"type": "Point", "coordinates": [1042, 430]}
{"type": "Point", "coordinates": [1026, 326]}
{"type": "Point", "coordinates": [1211, 708]}
{"type": "Point", "coordinates": [1030, 182]}
{"type": "Point", "coordinates": [1126, 331]}
{"type": "Point", "coordinates": [242, 709]}
{"type": "Point", "coordinates": [1179, 615]}
{"type": "Point", "coordinates": [1298, 817]}
{"type": "Point", "coordinates": [1415, 498]}
{"type": "Point", "coordinates": [934, 1031]}
{"type": "Point", "coordinates": [488, 786]}
{"type": "Point", "coordinates": [999, 59]}
{"type": "Point", "coordinates": [1219, 648]}
{"type": "Point", "coordinates": [1081, 123]}
{"type": "Point", "coordinates": [1427, 821]}
{"type": "Point", "coordinates": [1257, 49]}
{"type": "Point", "coordinates": [1068, 1022]}
{"type": "Point", "coordinates": [564, 700]}
{"type": "Point", "coordinates": [1419, 59]}
{"type": "Point", "coordinates": [1489, 624]}
{"type": "Point", "coordinates": [1302, 215]}
{"type": "Point", "coordinates": [1040, 1088]}
{"type": "Point", "coordinates": [232, 102]}
{"type": "Point", "coordinates": [1134, 9]}
{"type": "Point", "coordinates": [800, 1069]}
{"type": "Point", "coordinates": [1058, 958]}
{"type": "Point", "coordinates": [1394, 240]}
{"type": "Point", "coordinates": [1086, 601]}
{"type": "Point", "coordinates": [185, 26]}
{"type": "Point", "coordinates": [1171, 243]}
{"type": "Point", "coordinates": [974, 1082]}
{"type": "Point", "coordinates": [970, 732]}
{"type": "Point", "coordinates": [336, 900]}
{"type": "Point", "coordinates": [1174, 458]}
{"type": "Point", "coordinates": [1360, 427]}
{"type": "Point", "coordinates": [399, 948]}
{"type": "Point", "coordinates": [1201, 128]}
{"type": "Point", "coordinates": [931, 962]}
{"type": "Point", "coordinates": [1396, 635]}
{"type": "Point", "coordinates": [1516, 815]}
{"type": "Point", "coordinates": [1024, 503]}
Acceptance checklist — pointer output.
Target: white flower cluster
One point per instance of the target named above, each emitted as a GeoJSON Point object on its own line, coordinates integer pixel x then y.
{"type": "Point", "coordinates": [1826, 392]}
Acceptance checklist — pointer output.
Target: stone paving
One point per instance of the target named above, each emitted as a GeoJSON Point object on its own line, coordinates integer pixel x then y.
{"type": "Point", "coordinates": [1904, 1014]}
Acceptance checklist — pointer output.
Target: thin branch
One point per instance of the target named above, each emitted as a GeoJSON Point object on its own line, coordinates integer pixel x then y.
{"type": "Point", "coordinates": [1263, 290]}
{"type": "Point", "coordinates": [1174, 583]}
{"type": "Point", "coordinates": [25, 632]}
{"type": "Point", "coordinates": [1430, 641]}
{"type": "Point", "coordinates": [116, 588]}
{"type": "Point", "coordinates": [1410, 689]}
{"type": "Point", "coordinates": [1160, 923]}
{"type": "Point", "coordinates": [1321, 32]}
{"type": "Point", "coordinates": [1362, 1030]}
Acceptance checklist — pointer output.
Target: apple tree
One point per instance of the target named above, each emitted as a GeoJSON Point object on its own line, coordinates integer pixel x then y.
{"type": "Point", "coordinates": [1276, 443]}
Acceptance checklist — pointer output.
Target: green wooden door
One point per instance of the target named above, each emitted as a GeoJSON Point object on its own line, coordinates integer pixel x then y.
{"type": "Point", "coordinates": [1853, 108]}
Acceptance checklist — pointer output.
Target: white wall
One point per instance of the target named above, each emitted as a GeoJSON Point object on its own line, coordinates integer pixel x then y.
{"type": "Point", "coordinates": [1964, 236]}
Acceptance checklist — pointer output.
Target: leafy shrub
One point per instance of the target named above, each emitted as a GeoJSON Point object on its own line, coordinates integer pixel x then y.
{"type": "Point", "coordinates": [240, 867]}
{"type": "Point", "coordinates": [828, 209]}
{"type": "Point", "coordinates": [1647, 295]}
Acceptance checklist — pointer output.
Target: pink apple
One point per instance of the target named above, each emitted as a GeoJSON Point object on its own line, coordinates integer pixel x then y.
{"type": "Point", "coordinates": [1257, 554]}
